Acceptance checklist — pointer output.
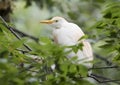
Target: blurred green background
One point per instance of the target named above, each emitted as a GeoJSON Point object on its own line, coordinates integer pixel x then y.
{"type": "Point", "coordinates": [82, 12]}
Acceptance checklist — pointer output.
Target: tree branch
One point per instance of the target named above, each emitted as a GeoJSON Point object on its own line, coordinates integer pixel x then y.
{"type": "Point", "coordinates": [22, 51]}
{"type": "Point", "coordinates": [103, 59]}
{"type": "Point", "coordinates": [102, 79]}
{"type": "Point", "coordinates": [106, 67]}
{"type": "Point", "coordinates": [12, 31]}
{"type": "Point", "coordinates": [22, 34]}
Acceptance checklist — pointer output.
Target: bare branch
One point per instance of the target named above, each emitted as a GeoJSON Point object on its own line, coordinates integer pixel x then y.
{"type": "Point", "coordinates": [22, 34]}
{"type": "Point", "coordinates": [106, 67]}
{"type": "Point", "coordinates": [11, 30]}
{"type": "Point", "coordinates": [102, 79]}
{"type": "Point", "coordinates": [103, 59]}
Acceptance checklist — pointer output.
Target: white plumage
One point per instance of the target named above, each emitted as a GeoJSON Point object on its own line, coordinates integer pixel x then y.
{"type": "Point", "coordinates": [68, 34]}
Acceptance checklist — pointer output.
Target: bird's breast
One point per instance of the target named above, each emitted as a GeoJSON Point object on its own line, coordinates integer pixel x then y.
{"type": "Point", "coordinates": [64, 36]}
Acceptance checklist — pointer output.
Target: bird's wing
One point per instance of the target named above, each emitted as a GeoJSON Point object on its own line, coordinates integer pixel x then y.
{"type": "Point", "coordinates": [68, 34]}
{"type": "Point", "coordinates": [77, 33]}
{"type": "Point", "coordinates": [87, 49]}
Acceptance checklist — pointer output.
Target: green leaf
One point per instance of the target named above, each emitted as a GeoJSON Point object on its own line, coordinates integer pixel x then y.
{"type": "Point", "coordinates": [75, 49]}
{"type": "Point", "coordinates": [117, 58]}
{"type": "Point", "coordinates": [45, 40]}
{"type": "Point", "coordinates": [16, 44]}
{"type": "Point", "coordinates": [72, 68]}
{"type": "Point", "coordinates": [108, 15]}
{"type": "Point", "coordinates": [83, 37]}
{"type": "Point", "coordinates": [80, 46]}
{"type": "Point", "coordinates": [64, 67]}
{"type": "Point", "coordinates": [83, 70]}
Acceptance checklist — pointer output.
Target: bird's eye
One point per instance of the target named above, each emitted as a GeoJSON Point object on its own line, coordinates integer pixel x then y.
{"type": "Point", "coordinates": [56, 20]}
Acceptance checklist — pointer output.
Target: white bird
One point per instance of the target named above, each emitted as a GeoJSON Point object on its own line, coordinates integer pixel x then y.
{"type": "Point", "coordinates": [68, 34]}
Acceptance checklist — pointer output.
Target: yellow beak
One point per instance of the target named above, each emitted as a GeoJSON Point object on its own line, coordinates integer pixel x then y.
{"type": "Point", "coordinates": [47, 21]}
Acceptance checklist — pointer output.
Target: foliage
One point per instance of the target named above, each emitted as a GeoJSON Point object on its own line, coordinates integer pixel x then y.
{"type": "Point", "coordinates": [108, 30]}
{"type": "Point", "coordinates": [110, 27]}
{"type": "Point", "coordinates": [18, 67]}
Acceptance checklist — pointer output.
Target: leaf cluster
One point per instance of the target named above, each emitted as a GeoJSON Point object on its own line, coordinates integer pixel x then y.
{"type": "Point", "coordinates": [109, 29]}
{"type": "Point", "coordinates": [35, 67]}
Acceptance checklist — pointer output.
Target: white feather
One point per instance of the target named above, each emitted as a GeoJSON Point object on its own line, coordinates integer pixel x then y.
{"type": "Point", "coordinates": [68, 34]}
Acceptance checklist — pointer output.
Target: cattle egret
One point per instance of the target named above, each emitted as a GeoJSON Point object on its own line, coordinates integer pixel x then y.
{"type": "Point", "coordinates": [69, 34]}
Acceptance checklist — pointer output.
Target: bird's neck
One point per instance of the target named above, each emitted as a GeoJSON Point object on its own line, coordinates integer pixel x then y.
{"type": "Point", "coordinates": [61, 25]}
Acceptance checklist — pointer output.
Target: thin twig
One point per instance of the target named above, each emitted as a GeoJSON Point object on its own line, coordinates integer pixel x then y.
{"type": "Point", "coordinates": [22, 51]}
{"type": "Point", "coordinates": [103, 59]}
{"type": "Point", "coordinates": [11, 30]}
{"type": "Point", "coordinates": [26, 69]}
{"type": "Point", "coordinates": [102, 79]}
{"type": "Point", "coordinates": [22, 34]}
{"type": "Point", "coordinates": [106, 67]}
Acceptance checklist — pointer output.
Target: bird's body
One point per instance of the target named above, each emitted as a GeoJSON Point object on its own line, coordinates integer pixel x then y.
{"type": "Point", "coordinates": [68, 34]}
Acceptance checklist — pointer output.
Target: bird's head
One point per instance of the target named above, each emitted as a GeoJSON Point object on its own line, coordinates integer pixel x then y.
{"type": "Point", "coordinates": [56, 22]}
